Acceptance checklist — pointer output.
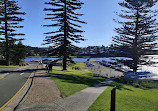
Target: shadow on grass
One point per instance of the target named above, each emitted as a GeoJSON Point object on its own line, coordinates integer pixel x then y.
{"type": "Point", "coordinates": [91, 80]}
{"type": "Point", "coordinates": [119, 86]}
{"type": "Point", "coordinates": [76, 79]}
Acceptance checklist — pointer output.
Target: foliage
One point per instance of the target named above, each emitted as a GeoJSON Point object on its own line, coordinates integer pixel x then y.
{"type": "Point", "coordinates": [2, 62]}
{"type": "Point", "coordinates": [34, 51]}
{"type": "Point", "coordinates": [78, 64]}
{"type": "Point", "coordinates": [2, 51]}
{"type": "Point", "coordinates": [99, 51]}
{"type": "Point", "coordinates": [145, 84]}
{"type": "Point", "coordinates": [66, 20]}
{"type": "Point", "coordinates": [10, 19]}
{"type": "Point", "coordinates": [83, 52]}
{"type": "Point", "coordinates": [18, 53]}
{"type": "Point", "coordinates": [22, 63]}
{"type": "Point", "coordinates": [137, 36]}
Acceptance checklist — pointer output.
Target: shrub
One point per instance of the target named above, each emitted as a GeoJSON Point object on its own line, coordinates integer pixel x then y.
{"type": "Point", "coordinates": [22, 63]}
{"type": "Point", "coordinates": [138, 83]}
{"type": "Point", "coordinates": [2, 62]}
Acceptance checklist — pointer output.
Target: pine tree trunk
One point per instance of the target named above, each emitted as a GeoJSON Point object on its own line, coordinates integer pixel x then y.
{"type": "Point", "coordinates": [6, 35]}
{"type": "Point", "coordinates": [135, 61]}
{"type": "Point", "coordinates": [64, 63]}
{"type": "Point", "coordinates": [135, 55]}
{"type": "Point", "coordinates": [65, 39]}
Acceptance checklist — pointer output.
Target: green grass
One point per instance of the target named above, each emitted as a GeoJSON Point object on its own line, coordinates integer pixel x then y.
{"type": "Point", "coordinates": [72, 81]}
{"type": "Point", "coordinates": [77, 64]}
{"type": "Point", "coordinates": [7, 66]}
{"type": "Point", "coordinates": [128, 98]}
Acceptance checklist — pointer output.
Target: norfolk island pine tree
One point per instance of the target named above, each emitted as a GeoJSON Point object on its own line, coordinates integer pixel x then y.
{"type": "Point", "coordinates": [10, 18]}
{"type": "Point", "coordinates": [138, 34]}
{"type": "Point", "coordinates": [66, 20]}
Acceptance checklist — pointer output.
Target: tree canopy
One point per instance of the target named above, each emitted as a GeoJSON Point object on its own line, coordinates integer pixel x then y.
{"type": "Point", "coordinates": [65, 19]}
{"type": "Point", "coordinates": [10, 19]}
{"type": "Point", "coordinates": [138, 33]}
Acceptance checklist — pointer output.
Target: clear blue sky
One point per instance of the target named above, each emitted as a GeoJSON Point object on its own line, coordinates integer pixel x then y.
{"type": "Point", "coordinates": [99, 15]}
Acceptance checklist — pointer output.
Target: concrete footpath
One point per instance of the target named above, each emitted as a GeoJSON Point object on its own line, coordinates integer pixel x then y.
{"type": "Point", "coordinates": [45, 96]}
{"type": "Point", "coordinates": [44, 90]}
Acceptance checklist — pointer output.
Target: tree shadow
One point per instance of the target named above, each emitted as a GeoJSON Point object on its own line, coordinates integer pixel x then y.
{"type": "Point", "coordinates": [21, 71]}
{"type": "Point", "coordinates": [119, 86]}
{"type": "Point", "coordinates": [92, 80]}
{"type": "Point", "coordinates": [76, 79]}
{"type": "Point", "coordinates": [36, 76]}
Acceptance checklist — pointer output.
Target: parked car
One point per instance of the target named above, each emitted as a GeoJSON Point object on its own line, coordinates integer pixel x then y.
{"type": "Point", "coordinates": [128, 70]}
{"type": "Point", "coordinates": [118, 68]}
{"type": "Point", "coordinates": [89, 64]}
{"type": "Point", "coordinates": [104, 64]}
{"type": "Point", "coordinates": [113, 66]}
{"type": "Point", "coordinates": [119, 65]}
{"type": "Point", "coordinates": [121, 69]}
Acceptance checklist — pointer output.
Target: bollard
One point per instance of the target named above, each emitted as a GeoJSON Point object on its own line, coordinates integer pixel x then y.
{"type": "Point", "coordinates": [113, 99]}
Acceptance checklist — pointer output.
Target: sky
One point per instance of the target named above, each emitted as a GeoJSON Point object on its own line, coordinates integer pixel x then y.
{"type": "Point", "coordinates": [98, 14]}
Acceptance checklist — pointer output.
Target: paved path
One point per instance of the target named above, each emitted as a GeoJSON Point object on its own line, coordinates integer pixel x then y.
{"type": "Point", "coordinates": [43, 90]}
{"type": "Point", "coordinates": [11, 80]}
{"type": "Point", "coordinates": [80, 101]}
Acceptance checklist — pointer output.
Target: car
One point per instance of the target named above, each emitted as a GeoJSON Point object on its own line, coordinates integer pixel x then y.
{"type": "Point", "coordinates": [101, 63]}
{"type": "Point", "coordinates": [107, 65]}
{"type": "Point", "coordinates": [46, 62]}
{"type": "Point", "coordinates": [89, 64]}
{"type": "Point", "coordinates": [104, 64]}
{"type": "Point", "coordinates": [113, 67]}
{"type": "Point", "coordinates": [127, 70]}
{"type": "Point", "coordinates": [119, 65]}
{"type": "Point", "coordinates": [122, 70]}
{"type": "Point", "coordinates": [117, 68]}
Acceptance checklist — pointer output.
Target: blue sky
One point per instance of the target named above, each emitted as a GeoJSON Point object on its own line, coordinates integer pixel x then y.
{"type": "Point", "coordinates": [99, 15]}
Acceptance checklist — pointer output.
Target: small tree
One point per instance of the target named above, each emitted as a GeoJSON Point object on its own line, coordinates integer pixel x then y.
{"type": "Point", "coordinates": [18, 52]}
{"type": "Point", "coordinates": [65, 19]}
{"type": "Point", "coordinates": [10, 18]}
{"type": "Point", "coordinates": [137, 36]}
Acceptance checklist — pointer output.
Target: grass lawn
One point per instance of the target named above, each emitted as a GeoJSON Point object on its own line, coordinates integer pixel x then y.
{"type": "Point", "coordinates": [128, 98]}
{"type": "Point", "coordinates": [72, 81]}
{"type": "Point", "coordinates": [8, 66]}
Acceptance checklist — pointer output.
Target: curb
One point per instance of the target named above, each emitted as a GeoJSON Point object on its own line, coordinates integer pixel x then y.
{"type": "Point", "coordinates": [13, 103]}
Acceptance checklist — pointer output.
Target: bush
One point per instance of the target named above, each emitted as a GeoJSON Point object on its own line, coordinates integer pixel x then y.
{"type": "Point", "coordinates": [22, 63]}
{"type": "Point", "coordinates": [2, 62]}
{"type": "Point", "coordinates": [47, 60]}
{"type": "Point", "coordinates": [149, 84]}
{"type": "Point", "coordinates": [104, 61]}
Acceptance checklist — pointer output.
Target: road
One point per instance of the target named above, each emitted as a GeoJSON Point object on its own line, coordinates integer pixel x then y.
{"type": "Point", "coordinates": [11, 81]}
